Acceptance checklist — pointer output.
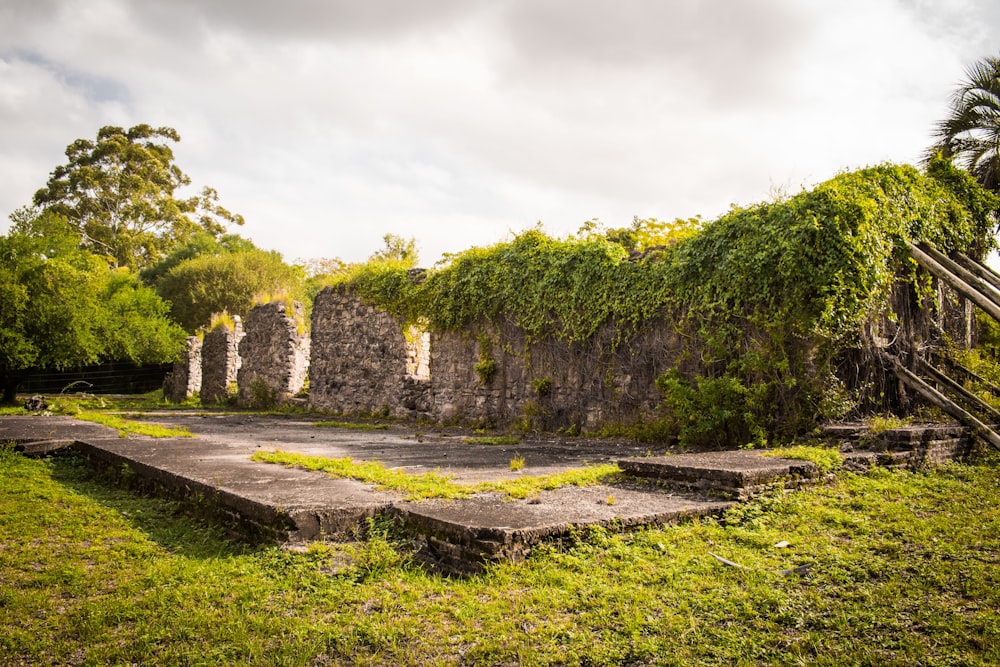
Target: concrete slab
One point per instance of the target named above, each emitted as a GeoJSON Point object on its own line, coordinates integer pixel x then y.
{"type": "Point", "coordinates": [464, 535]}
{"type": "Point", "coordinates": [214, 472]}
{"type": "Point", "coordinates": [38, 428]}
{"type": "Point", "coordinates": [735, 474]}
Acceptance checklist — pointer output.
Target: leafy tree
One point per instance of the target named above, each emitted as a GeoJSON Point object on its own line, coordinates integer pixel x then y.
{"type": "Point", "coordinates": [118, 192]}
{"type": "Point", "coordinates": [971, 132]}
{"type": "Point", "coordinates": [225, 281]}
{"type": "Point", "coordinates": [61, 306]}
{"type": "Point", "coordinates": [201, 244]}
{"type": "Point", "coordinates": [397, 249]}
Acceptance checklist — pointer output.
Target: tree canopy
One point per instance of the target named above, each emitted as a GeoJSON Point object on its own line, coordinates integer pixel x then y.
{"type": "Point", "coordinates": [971, 132]}
{"type": "Point", "coordinates": [208, 276]}
{"type": "Point", "coordinates": [61, 306]}
{"type": "Point", "coordinates": [119, 194]}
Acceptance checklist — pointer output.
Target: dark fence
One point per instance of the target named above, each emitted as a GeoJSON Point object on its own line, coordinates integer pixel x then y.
{"type": "Point", "coordinates": [110, 378]}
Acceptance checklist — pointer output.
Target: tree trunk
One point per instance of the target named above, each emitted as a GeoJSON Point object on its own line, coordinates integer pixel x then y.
{"type": "Point", "coordinates": [10, 383]}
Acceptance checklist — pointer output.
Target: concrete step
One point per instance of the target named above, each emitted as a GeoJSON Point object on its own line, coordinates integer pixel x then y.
{"type": "Point", "coordinates": [737, 475]}
{"type": "Point", "coordinates": [463, 536]}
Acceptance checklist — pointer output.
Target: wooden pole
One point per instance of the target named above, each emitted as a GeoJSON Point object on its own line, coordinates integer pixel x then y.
{"type": "Point", "coordinates": [981, 270]}
{"type": "Point", "coordinates": [994, 389]}
{"type": "Point", "coordinates": [983, 287]}
{"type": "Point", "coordinates": [940, 400]}
{"type": "Point", "coordinates": [959, 285]}
{"type": "Point", "coordinates": [961, 391]}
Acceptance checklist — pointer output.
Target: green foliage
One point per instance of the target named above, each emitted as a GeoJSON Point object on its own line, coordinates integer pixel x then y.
{"type": "Point", "coordinates": [126, 427]}
{"type": "Point", "coordinates": [61, 306]}
{"type": "Point", "coordinates": [435, 485]}
{"type": "Point", "coordinates": [971, 131]}
{"type": "Point", "coordinates": [826, 459]}
{"type": "Point", "coordinates": [905, 572]}
{"type": "Point", "coordinates": [766, 298]}
{"type": "Point", "coordinates": [118, 193]}
{"type": "Point", "coordinates": [709, 412]}
{"type": "Point", "coordinates": [386, 284]}
{"type": "Point", "coordinates": [643, 235]}
{"type": "Point", "coordinates": [542, 386]}
{"type": "Point", "coordinates": [229, 281]}
{"type": "Point", "coordinates": [259, 396]}
{"type": "Point", "coordinates": [879, 424]}
{"type": "Point", "coordinates": [397, 250]}
{"type": "Point", "coordinates": [492, 440]}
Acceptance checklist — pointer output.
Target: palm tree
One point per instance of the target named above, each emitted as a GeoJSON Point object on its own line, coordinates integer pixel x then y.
{"type": "Point", "coordinates": [971, 133]}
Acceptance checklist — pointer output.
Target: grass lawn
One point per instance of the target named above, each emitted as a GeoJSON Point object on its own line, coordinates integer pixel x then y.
{"type": "Point", "coordinates": [904, 571]}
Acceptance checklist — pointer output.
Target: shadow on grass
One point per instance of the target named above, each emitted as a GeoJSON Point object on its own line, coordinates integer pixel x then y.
{"type": "Point", "coordinates": [183, 528]}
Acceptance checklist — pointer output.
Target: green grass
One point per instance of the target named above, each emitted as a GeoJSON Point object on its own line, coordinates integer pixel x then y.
{"type": "Point", "coordinates": [356, 426]}
{"type": "Point", "coordinates": [905, 571]}
{"type": "Point", "coordinates": [826, 459]}
{"type": "Point", "coordinates": [127, 427]}
{"type": "Point", "coordinates": [492, 440]}
{"type": "Point", "coordinates": [434, 485]}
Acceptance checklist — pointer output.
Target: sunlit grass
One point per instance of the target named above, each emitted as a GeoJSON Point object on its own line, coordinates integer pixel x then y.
{"type": "Point", "coordinates": [905, 571]}
{"type": "Point", "coordinates": [127, 427]}
{"type": "Point", "coordinates": [826, 459]}
{"type": "Point", "coordinates": [355, 426]}
{"type": "Point", "coordinates": [492, 440]}
{"type": "Point", "coordinates": [435, 485]}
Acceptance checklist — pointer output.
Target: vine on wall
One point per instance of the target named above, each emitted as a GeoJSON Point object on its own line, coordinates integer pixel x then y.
{"type": "Point", "coordinates": [768, 294]}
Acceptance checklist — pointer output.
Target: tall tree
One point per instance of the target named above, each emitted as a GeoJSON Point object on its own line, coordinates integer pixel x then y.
{"type": "Point", "coordinates": [61, 306]}
{"type": "Point", "coordinates": [118, 192]}
{"type": "Point", "coordinates": [971, 132]}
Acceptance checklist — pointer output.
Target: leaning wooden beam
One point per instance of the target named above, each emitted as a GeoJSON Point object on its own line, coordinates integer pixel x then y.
{"type": "Point", "coordinates": [978, 268]}
{"type": "Point", "coordinates": [956, 283]}
{"type": "Point", "coordinates": [946, 404]}
{"type": "Point", "coordinates": [993, 388]}
{"type": "Point", "coordinates": [983, 287]}
{"type": "Point", "coordinates": [977, 402]}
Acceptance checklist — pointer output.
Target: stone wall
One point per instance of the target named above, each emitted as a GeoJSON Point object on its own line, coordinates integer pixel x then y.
{"type": "Point", "coordinates": [220, 362]}
{"type": "Point", "coordinates": [185, 379]}
{"type": "Point", "coordinates": [498, 377]}
{"type": "Point", "coordinates": [362, 363]}
{"type": "Point", "coordinates": [274, 353]}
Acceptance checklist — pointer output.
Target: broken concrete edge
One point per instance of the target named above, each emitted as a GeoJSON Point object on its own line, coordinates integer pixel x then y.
{"type": "Point", "coordinates": [452, 548]}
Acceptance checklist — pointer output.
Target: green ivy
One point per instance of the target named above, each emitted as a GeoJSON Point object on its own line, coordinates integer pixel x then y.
{"type": "Point", "coordinates": [767, 295]}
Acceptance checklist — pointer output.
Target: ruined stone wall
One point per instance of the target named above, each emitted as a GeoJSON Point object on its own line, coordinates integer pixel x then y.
{"type": "Point", "coordinates": [497, 376]}
{"type": "Point", "coordinates": [185, 379]}
{"type": "Point", "coordinates": [362, 362]}
{"type": "Point", "coordinates": [220, 362]}
{"type": "Point", "coordinates": [274, 354]}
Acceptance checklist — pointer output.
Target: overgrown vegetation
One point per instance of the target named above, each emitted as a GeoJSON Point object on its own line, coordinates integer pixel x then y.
{"type": "Point", "coordinates": [355, 426]}
{"type": "Point", "coordinates": [905, 570]}
{"type": "Point", "coordinates": [435, 485]}
{"type": "Point", "coordinates": [767, 298]}
{"type": "Point", "coordinates": [492, 440]}
{"type": "Point", "coordinates": [127, 427]}
{"type": "Point", "coordinates": [826, 459]}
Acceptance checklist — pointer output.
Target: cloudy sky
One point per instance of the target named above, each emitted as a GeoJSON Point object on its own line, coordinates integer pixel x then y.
{"type": "Point", "coordinates": [329, 123]}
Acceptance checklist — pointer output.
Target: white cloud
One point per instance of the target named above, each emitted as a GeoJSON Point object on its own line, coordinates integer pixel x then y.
{"type": "Point", "coordinates": [329, 124]}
